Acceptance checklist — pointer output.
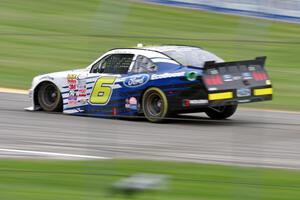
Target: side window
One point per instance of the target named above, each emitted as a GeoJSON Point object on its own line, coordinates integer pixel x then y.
{"type": "Point", "coordinates": [113, 64]}
{"type": "Point", "coordinates": [143, 65]}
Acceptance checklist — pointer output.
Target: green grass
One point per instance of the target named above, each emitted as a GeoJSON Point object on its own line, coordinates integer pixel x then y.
{"type": "Point", "coordinates": [87, 180]}
{"type": "Point", "coordinates": [37, 37]}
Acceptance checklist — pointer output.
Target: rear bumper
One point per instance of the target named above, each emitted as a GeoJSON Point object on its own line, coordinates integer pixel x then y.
{"type": "Point", "coordinates": [199, 101]}
{"type": "Point", "coordinates": [251, 99]}
{"type": "Point", "coordinates": [231, 97]}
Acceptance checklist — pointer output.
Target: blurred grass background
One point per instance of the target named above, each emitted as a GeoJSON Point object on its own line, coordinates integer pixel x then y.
{"type": "Point", "coordinates": [41, 36]}
{"type": "Point", "coordinates": [89, 180]}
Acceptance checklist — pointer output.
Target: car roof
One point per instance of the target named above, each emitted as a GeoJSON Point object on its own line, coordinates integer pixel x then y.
{"type": "Point", "coordinates": [165, 48]}
{"type": "Point", "coordinates": [154, 51]}
{"type": "Point", "coordinates": [145, 52]}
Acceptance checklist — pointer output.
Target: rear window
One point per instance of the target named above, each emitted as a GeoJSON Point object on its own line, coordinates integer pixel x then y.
{"type": "Point", "coordinates": [192, 56]}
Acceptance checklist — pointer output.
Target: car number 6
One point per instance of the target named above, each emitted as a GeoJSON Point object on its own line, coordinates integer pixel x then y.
{"type": "Point", "coordinates": [102, 90]}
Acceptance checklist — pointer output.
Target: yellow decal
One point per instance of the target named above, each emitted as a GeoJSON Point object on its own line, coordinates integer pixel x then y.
{"type": "Point", "coordinates": [102, 90]}
{"type": "Point", "coordinates": [219, 96]}
{"type": "Point", "coordinates": [265, 91]}
{"type": "Point", "coordinates": [71, 76]}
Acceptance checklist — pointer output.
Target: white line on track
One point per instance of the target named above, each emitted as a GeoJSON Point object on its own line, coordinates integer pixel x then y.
{"type": "Point", "coordinates": [43, 153]}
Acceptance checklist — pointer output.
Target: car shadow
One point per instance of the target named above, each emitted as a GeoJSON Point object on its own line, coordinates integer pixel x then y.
{"type": "Point", "coordinates": [186, 120]}
{"type": "Point", "coordinates": [183, 119]}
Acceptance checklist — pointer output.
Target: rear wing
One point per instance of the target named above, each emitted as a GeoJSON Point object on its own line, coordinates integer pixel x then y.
{"type": "Point", "coordinates": [241, 81]}
{"type": "Point", "coordinates": [259, 61]}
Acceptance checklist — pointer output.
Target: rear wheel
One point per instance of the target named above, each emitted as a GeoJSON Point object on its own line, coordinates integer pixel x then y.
{"type": "Point", "coordinates": [155, 105]}
{"type": "Point", "coordinates": [221, 112]}
{"type": "Point", "coordinates": [49, 98]}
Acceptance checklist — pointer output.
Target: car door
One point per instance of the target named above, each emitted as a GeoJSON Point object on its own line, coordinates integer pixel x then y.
{"type": "Point", "coordinates": [106, 75]}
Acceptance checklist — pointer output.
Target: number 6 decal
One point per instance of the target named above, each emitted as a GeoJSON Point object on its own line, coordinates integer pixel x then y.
{"type": "Point", "coordinates": [102, 90]}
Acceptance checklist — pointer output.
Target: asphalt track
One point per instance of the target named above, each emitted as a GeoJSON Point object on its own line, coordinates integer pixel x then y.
{"type": "Point", "coordinates": [251, 137]}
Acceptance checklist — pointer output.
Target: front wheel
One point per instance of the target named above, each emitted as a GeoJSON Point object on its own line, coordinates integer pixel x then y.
{"type": "Point", "coordinates": [221, 112]}
{"type": "Point", "coordinates": [155, 105]}
{"type": "Point", "coordinates": [49, 97]}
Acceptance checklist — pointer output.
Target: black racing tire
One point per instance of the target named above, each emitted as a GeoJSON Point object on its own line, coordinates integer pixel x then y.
{"type": "Point", "coordinates": [222, 112]}
{"type": "Point", "coordinates": [50, 98]}
{"type": "Point", "coordinates": [155, 105]}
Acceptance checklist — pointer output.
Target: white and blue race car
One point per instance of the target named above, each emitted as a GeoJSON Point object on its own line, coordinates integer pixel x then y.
{"type": "Point", "coordinates": [156, 82]}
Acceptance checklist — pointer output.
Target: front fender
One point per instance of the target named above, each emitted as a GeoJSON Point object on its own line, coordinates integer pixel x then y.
{"type": "Point", "coordinates": [36, 83]}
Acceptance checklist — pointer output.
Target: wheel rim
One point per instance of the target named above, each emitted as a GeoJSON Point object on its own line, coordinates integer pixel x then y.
{"type": "Point", "coordinates": [50, 95]}
{"type": "Point", "coordinates": [155, 104]}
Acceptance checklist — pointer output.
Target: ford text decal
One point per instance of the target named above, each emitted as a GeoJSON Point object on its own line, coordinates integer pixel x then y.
{"type": "Point", "coordinates": [136, 80]}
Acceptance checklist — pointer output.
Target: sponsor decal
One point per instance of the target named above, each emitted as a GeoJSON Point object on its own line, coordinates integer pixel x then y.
{"type": "Point", "coordinates": [198, 101]}
{"type": "Point", "coordinates": [212, 89]}
{"type": "Point", "coordinates": [243, 92]}
{"type": "Point", "coordinates": [71, 76]}
{"type": "Point", "coordinates": [81, 86]}
{"type": "Point", "coordinates": [244, 101]}
{"type": "Point", "coordinates": [235, 78]}
{"type": "Point", "coordinates": [72, 84]}
{"type": "Point", "coordinates": [167, 75]}
{"type": "Point", "coordinates": [247, 75]}
{"type": "Point", "coordinates": [252, 67]}
{"type": "Point", "coordinates": [72, 93]}
{"type": "Point", "coordinates": [131, 103]}
{"type": "Point", "coordinates": [72, 99]}
{"type": "Point", "coordinates": [72, 81]}
{"type": "Point", "coordinates": [136, 80]}
{"type": "Point", "coordinates": [227, 78]}
{"type": "Point", "coordinates": [214, 72]}
{"type": "Point", "coordinates": [81, 83]}
{"type": "Point", "coordinates": [116, 86]}
{"type": "Point", "coordinates": [82, 92]}
{"type": "Point", "coordinates": [191, 76]}
{"type": "Point", "coordinates": [83, 101]}
{"type": "Point", "coordinates": [72, 102]}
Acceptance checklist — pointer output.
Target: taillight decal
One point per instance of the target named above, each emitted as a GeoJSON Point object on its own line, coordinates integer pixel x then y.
{"type": "Point", "coordinates": [213, 80]}
{"type": "Point", "coordinates": [259, 76]}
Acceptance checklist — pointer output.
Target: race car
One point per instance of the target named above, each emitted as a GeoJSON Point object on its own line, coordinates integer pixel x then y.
{"type": "Point", "coordinates": [156, 82]}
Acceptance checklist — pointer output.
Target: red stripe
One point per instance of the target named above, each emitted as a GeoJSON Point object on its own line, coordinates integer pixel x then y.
{"type": "Point", "coordinates": [115, 111]}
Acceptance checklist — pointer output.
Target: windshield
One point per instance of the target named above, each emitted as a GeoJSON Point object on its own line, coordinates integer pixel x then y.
{"type": "Point", "coordinates": [191, 56]}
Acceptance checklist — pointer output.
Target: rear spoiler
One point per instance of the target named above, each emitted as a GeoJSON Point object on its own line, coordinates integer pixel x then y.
{"type": "Point", "coordinates": [257, 61]}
